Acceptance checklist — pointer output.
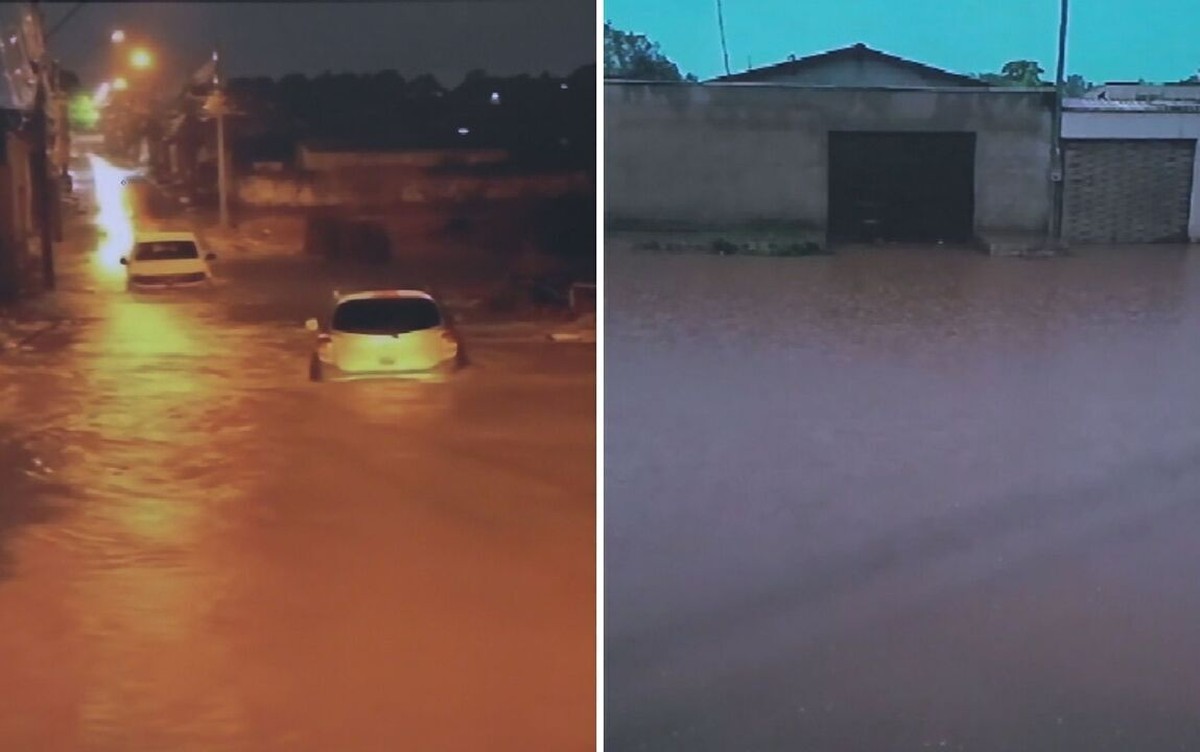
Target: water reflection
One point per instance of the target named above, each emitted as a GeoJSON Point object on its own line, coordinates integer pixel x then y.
{"type": "Point", "coordinates": [153, 425]}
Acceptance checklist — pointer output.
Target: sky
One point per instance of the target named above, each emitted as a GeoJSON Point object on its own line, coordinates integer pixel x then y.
{"type": "Point", "coordinates": [445, 38]}
{"type": "Point", "coordinates": [1107, 40]}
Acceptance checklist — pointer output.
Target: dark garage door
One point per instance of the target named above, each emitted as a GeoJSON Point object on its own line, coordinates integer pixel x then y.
{"type": "Point", "coordinates": [1127, 191]}
{"type": "Point", "coordinates": [912, 187]}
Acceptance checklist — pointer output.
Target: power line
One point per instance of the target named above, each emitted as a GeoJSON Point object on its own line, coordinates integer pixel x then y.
{"type": "Point", "coordinates": [75, 9]}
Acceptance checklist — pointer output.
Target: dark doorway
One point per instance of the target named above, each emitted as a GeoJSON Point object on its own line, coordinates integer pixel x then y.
{"type": "Point", "coordinates": [905, 187]}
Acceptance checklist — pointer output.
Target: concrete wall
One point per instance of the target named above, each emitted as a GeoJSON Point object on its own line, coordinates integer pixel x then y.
{"type": "Point", "coordinates": [382, 187]}
{"type": "Point", "coordinates": [1143, 125]}
{"type": "Point", "coordinates": [727, 156]}
{"type": "Point", "coordinates": [312, 159]}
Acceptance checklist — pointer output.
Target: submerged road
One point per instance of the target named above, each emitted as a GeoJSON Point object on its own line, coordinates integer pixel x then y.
{"type": "Point", "coordinates": [902, 499]}
{"type": "Point", "coordinates": [201, 550]}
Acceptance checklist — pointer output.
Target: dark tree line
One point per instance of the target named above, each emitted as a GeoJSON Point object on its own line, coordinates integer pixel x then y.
{"type": "Point", "coordinates": [540, 119]}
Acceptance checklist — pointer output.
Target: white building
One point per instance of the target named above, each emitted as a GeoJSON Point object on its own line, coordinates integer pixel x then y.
{"type": "Point", "coordinates": [1132, 172]}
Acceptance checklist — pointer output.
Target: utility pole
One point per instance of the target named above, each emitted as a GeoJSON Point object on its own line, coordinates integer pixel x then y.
{"type": "Point", "coordinates": [721, 28]}
{"type": "Point", "coordinates": [222, 175]}
{"type": "Point", "coordinates": [1058, 166]}
{"type": "Point", "coordinates": [40, 168]}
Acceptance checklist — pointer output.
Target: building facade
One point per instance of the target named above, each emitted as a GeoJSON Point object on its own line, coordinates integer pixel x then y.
{"type": "Point", "coordinates": [1132, 171]}
{"type": "Point", "coordinates": [830, 164]}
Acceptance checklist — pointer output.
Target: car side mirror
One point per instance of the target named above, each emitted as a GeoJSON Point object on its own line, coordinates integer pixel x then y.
{"type": "Point", "coordinates": [210, 257]}
{"type": "Point", "coordinates": [124, 261]}
{"type": "Point", "coordinates": [312, 325]}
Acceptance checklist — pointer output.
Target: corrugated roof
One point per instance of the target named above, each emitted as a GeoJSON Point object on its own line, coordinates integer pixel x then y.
{"type": "Point", "coordinates": [858, 51]}
{"type": "Point", "coordinates": [1125, 105]}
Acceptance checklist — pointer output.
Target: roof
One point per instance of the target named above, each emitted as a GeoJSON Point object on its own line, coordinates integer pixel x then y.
{"type": "Point", "coordinates": [382, 295]}
{"type": "Point", "coordinates": [164, 236]}
{"type": "Point", "coordinates": [1127, 105]}
{"type": "Point", "coordinates": [858, 51]}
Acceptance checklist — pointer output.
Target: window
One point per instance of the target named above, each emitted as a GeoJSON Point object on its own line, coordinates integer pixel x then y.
{"type": "Point", "coordinates": [166, 250]}
{"type": "Point", "coordinates": [386, 316]}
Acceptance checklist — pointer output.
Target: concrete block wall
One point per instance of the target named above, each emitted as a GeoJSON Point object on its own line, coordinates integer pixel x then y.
{"type": "Point", "coordinates": [755, 157]}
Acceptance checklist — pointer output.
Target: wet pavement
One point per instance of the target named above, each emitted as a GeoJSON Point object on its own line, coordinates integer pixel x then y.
{"type": "Point", "coordinates": [201, 550]}
{"type": "Point", "coordinates": [902, 499]}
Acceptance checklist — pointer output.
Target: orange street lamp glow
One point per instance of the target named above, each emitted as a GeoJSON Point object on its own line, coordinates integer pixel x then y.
{"type": "Point", "coordinates": [140, 59]}
{"type": "Point", "coordinates": [120, 84]}
{"type": "Point", "coordinates": [118, 36]}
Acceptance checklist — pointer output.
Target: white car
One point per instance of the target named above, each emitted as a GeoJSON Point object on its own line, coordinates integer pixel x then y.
{"type": "Point", "coordinates": [167, 259]}
{"type": "Point", "coordinates": [384, 333]}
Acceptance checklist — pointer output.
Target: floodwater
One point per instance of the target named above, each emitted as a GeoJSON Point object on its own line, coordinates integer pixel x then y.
{"type": "Point", "coordinates": [201, 550]}
{"type": "Point", "coordinates": [902, 499]}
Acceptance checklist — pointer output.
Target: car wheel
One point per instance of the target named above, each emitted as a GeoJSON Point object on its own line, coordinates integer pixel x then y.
{"type": "Point", "coordinates": [316, 370]}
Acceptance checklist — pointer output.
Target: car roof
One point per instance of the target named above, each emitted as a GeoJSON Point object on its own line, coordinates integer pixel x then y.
{"type": "Point", "coordinates": [384, 295]}
{"type": "Point", "coordinates": [165, 236]}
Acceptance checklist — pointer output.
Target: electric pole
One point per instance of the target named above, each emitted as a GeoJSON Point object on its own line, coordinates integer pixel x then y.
{"type": "Point", "coordinates": [721, 28]}
{"type": "Point", "coordinates": [1058, 166]}
{"type": "Point", "coordinates": [222, 174]}
{"type": "Point", "coordinates": [39, 164]}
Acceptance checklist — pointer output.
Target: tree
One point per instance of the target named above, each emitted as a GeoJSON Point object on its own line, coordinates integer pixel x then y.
{"type": "Point", "coordinates": [634, 56]}
{"type": "Point", "coordinates": [1023, 73]}
{"type": "Point", "coordinates": [1076, 86]}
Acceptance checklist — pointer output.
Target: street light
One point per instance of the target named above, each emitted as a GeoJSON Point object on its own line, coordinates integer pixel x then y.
{"type": "Point", "coordinates": [140, 59]}
{"type": "Point", "coordinates": [118, 36]}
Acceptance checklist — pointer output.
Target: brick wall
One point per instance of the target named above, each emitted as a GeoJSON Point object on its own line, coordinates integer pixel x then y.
{"type": "Point", "coordinates": [1127, 191]}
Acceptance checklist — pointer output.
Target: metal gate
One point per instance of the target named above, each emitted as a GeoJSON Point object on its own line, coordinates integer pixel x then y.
{"type": "Point", "coordinates": [901, 186]}
{"type": "Point", "coordinates": [1127, 191]}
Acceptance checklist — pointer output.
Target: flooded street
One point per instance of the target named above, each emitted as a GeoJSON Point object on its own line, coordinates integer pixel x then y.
{"type": "Point", "coordinates": [902, 499]}
{"type": "Point", "coordinates": [202, 550]}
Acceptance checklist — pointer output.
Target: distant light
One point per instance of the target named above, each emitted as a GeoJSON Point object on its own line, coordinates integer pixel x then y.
{"type": "Point", "coordinates": [495, 97]}
{"type": "Point", "coordinates": [463, 131]}
{"type": "Point", "coordinates": [82, 112]}
{"type": "Point", "coordinates": [563, 85]}
{"type": "Point", "coordinates": [118, 36]}
{"type": "Point", "coordinates": [140, 59]}
{"type": "Point", "coordinates": [120, 84]}
{"type": "Point", "coordinates": [102, 93]}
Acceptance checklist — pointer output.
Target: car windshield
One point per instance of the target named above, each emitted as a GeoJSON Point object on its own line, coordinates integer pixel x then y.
{"type": "Point", "coordinates": [386, 316]}
{"type": "Point", "coordinates": [166, 250]}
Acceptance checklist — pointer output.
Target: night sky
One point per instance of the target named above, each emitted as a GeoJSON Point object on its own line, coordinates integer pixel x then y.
{"type": "Point", "coordinates": [1107, 40]}
{"type": "Point", "coordinates": [447, 39]}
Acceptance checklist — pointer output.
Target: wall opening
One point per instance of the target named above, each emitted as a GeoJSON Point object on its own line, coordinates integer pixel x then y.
{"type": "Point", "coordinates": [916, 187]}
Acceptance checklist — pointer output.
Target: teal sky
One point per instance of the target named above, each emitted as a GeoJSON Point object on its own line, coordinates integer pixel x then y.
{"type": "Point", "coordinates": [1107, 40]}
